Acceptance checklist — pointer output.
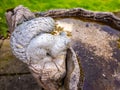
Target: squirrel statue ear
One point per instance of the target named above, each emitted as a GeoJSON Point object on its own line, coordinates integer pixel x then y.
{"type": "Point", "coordinates": [72, 77]}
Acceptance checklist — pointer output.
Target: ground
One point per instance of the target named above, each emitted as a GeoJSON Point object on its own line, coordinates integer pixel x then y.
{"type": "Point", "coordinates": [14, 75]}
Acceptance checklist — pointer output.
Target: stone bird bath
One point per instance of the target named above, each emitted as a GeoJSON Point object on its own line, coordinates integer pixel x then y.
{"type": "Point", "coordinates": [72, 49]}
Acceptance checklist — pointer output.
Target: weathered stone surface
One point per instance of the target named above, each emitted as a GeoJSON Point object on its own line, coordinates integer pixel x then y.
{"type": "Point", "coordinates": [96, 47]}
{"type": "Point", "coordinates": [8, 62]}
{"type": "Point", "coordinates": [23, 82]}
{"type": "Point", "coordinates": [14, 75]}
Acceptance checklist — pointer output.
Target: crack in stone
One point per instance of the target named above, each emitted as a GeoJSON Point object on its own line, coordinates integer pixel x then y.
{"type": "Point", "coordinates": [14, 74]}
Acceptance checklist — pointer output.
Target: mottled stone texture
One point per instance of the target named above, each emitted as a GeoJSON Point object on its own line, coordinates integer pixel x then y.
{"type": "Point", "coordinates": [97, 48]}
{"type": "Point", "coordinates": [14, 75]}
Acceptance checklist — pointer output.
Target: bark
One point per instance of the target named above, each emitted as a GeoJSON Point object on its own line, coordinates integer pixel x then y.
{"type": "Point", "coordinates": [103, 17]}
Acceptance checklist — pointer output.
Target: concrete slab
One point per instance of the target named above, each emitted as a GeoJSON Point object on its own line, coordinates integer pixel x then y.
{"type": "Point", "coordinates": [14, 75]}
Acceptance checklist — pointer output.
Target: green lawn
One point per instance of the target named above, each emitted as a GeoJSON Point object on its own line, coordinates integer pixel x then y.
{"type": "Point", "coordinates": [43, 5]}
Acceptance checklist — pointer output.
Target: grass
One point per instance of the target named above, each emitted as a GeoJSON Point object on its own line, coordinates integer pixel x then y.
{"type": "Point", "coordinates": [43, 5]}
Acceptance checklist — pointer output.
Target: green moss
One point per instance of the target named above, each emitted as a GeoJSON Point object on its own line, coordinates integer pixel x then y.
{"type": "Point", "coordinates": [43, 5]}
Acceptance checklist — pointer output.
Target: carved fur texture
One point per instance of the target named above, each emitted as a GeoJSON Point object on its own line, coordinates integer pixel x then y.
{"type": "Point", "coordinates": [45, 54]}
